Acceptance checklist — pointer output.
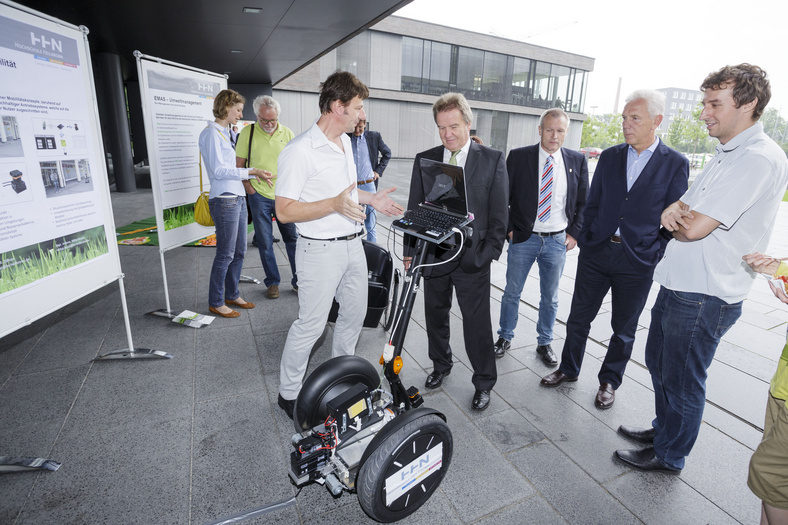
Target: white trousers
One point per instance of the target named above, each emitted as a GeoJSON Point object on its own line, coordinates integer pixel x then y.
{"type": "Point", "coordinates": [326, 269]}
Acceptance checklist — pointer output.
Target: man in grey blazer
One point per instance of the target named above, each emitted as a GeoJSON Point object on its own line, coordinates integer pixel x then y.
{"type": "Point", "coordinates": [469, 274]}
{"type": "Point", "coordinates": [547, 193]}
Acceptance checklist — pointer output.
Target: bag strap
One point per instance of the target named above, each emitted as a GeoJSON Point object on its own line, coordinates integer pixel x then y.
{"type": "Point", "coordinates": [249, 153]}
{"type": "Point", "coordinates": [199, 163]}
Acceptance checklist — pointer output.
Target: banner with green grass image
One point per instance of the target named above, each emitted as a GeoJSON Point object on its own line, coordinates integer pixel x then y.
{"type": "Point", "coordinates": [178, 216]}
{"type": "Point", "coordinates": [36, 261]}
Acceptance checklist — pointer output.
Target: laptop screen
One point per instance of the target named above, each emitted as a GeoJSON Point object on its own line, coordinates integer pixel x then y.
{"type": "Point", "coordinates": [444, 186]}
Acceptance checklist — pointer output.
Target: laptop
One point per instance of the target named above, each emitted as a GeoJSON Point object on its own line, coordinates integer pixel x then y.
{"type": "Point", "coordinates": [444, 206]}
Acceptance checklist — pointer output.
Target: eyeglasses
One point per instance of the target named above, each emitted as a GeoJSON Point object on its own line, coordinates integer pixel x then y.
{"type": "Point", "coordinates": [266, 121]}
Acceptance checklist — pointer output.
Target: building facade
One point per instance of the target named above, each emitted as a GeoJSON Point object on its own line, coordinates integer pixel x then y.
{"type": "Point", "coordinates": [679, 103]}
{"type": "Point", "coordinates": [407, 64]}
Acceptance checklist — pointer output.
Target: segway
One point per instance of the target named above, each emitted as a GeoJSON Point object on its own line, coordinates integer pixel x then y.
{"type": "Point", "coordinates": [354, 435]}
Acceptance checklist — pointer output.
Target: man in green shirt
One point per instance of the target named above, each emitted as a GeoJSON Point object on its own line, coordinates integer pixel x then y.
{"type": "Point", "coordinates": [259, 146]}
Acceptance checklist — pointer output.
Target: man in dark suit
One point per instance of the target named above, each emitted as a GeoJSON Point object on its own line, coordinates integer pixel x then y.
{"type": "Point", "coordinates": [620, 242]}
{"type": "Point", "coordinates": [367, 145]}
{"type": "Point", "coordinates": [547, 193]}
{"type": "Point", "coordinates": [468, 274]}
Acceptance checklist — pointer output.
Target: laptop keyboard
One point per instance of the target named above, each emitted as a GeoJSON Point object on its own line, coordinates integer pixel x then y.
{"type": "Point", "coordinates": [430, 219]}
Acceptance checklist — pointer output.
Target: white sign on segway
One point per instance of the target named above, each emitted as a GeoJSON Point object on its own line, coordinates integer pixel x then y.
{"type": "Point", "coordinates": [422, 467]}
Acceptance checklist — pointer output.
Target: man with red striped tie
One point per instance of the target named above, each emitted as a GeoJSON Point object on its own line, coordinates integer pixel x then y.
{"type": "Point", "coordinates": [620, 241]}
{"type": "Point", "coordinates": [547, 192]}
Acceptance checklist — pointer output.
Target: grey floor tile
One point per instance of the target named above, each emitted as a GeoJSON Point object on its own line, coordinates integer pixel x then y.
{"type": "Point", "coordinates": [575, 495]}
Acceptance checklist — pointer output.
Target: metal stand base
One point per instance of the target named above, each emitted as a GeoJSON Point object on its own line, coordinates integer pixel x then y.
{"type": "Point", "coordinates": [137, 353]}
{"type": "Point", "coordinates": [247, 279]}
{"type": "Point", "coordinates": [14, 464]}
{"type": "Point", "coordinates": [163, 312]}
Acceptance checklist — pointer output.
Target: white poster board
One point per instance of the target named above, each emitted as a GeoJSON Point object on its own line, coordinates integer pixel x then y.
{"type": "Point", "coordinates": [177, 103]}
{"type": "Point", "coordinates": [57, 233]}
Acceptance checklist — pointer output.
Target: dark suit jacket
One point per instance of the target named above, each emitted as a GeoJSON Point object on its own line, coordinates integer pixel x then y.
{"type": "Point", "coordinates": [636, 212]}
{"type": "Point", "coordinates": [522, 164]}
{"type": "Point", "coordinates": [376, 146]}
{"type": "Point", "coordinates": [487, 195]}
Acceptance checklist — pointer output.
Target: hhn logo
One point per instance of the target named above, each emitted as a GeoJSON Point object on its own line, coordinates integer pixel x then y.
{"type": "Point", "coordinates": [44, 43]}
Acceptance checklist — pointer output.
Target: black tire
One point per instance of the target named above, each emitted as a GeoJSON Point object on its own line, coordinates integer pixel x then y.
{"type": "Point", "coordinates": [394, 454]}
{"type": "Point", "coordinates": [328, 381]}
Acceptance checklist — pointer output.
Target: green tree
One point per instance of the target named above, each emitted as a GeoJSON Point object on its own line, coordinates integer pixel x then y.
{"type": "Point", "coordinates": [602, 131]}
{"type": "Point", "coordinates": [688, 134]}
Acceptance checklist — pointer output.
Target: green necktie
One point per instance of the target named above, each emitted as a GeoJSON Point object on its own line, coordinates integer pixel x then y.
{"type": "Point", "coordinates": [453, 159]}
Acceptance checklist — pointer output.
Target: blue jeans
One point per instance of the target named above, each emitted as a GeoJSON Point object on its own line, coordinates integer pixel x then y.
{"type": "Point", "coordinates": [229, 216]}
{"type": "Point", "coordinates": [262, 210]}
{"type": "Point", "coordinates": [369, 223]}
{"type": "Point", "coordinates": [550, 255]}
{"type": "Point", "coordinates": [685, 330]}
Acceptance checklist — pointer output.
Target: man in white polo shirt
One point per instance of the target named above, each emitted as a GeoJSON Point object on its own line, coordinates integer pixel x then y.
{"type": "Point", "coordinates": [317, 191]}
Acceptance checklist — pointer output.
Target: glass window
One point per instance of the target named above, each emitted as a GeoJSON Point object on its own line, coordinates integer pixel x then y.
{"type": "Point", "coordinates": [439, 68]}
{"type": "Point", "coordinates": [495, 82]}
{"type": "Point", "coordinates": [560, 92]}
{"type": "Point", "coordinates": [521, 75]}
{"type": "Point", "coordinates": [412, 49]}
{"type": "Point", "coordinates": [354, 56]}
{"type": "Point", "coordinates": [470, 67]}
{"type": "Point", "coordinates": [683, 96]}
{"type": "Point", "coordinates": [675, 94]}
{"type": "Point", "coordinates": [672, 105]}
{"type": "Point", "coordinates": [542, 86]}
{"type": "Point", "coordinates": [578, 95]}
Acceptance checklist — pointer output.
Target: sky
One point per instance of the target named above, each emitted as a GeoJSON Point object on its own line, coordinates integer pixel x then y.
{"type": "Point", "coordinates": [670, 43]}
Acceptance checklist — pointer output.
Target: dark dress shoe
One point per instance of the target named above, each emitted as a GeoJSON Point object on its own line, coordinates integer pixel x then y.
{"type": "Point", "coordinates": [605, 396]}
{"type": "Point", "coordinates": [556, 378]}
{"type": "Point", "coordinates": [644, 435]}
{"type": "Point", "coordinates": [286, 405]}
{"type": "Point", "coordinates": [501, 346]}
{"type": "Point", "coordinates": [435, 379]}
{"type": "Point", "coordinates": [548, 356]}
{"type": "Point", "coordinates": [481, 400]}
{"type": "Point", "coordinates": [645, 459]}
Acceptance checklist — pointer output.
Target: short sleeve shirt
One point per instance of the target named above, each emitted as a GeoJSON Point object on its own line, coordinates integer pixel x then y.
{"type": "Point", "coordinates": [741, 188]}
{"type": "Point", "coordinates": [265, 152]}
{"type": "Point", "coordinates": [312, 168]}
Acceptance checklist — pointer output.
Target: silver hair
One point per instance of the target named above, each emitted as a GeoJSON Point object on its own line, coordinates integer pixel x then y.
{"type": "Point", "coordinates": [553, 112]}
{"type": "Point", "coordinates": [655, 101]}
{"type": "Point", "coordinates": [265, 100]}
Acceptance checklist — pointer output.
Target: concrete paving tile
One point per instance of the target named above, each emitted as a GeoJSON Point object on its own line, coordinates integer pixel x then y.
{"type": "Point", "coordinates": [128, 472]}
{"type": "Point", "coordinates": [472, 497]}
{"type": "Point", "coordinates": [437, 509]}
{"type": "Point", "coordinates": [574, 428]}
{"type": "Point", "coordinates": [760, 341]}
{"type": "Point", "coordinates": [508, 430]}
{"type": "Point", "coordinates": [741, 431]}
{"type": "Point", "coordinates": [750, 408]}
{"type": "Point", "coordinates": [237, 459]}
{"type": "Point", "coordinates": [646, 494]}
{"type": "Point", "coordinates": [534, 510]}
{"type": "Point", "coordinates": [226, 363]}
{"type": "Point", "coordinates": [569, 489]}
{"type": "Point", "coordinates": [717, 468]}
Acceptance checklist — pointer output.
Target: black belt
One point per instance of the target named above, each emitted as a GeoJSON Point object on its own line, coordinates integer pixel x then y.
{"type": "Point", "coordinates": [615, 238]}
{"type": "Point", "coordinates": [548, 234]}
{"type": "Point", "coordinates": [345, 238]}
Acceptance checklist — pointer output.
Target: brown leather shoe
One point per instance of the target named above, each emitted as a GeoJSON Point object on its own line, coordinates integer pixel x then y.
{"type": "Point", "coordinates": [230, 314]}
{"type": "Point", "coordinates": [273, 292]}
{"type": "Point", "coordinates": [245, 305]}
{"type": "Point", "coordinates": [556, 378]}
{"type": "Point", "coordinates": [605, 396]}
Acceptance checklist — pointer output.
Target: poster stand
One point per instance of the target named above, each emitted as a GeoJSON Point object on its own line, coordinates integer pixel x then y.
{"type": "Point", "coordinates": [176, 102]}
{"type": "Point", "coordinates": [69, 236]}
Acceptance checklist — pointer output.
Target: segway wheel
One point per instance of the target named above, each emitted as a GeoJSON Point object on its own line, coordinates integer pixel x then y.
{"type": "Point", "coordinates": [401, 475]}
{"type": "Point", "coordinates": [329, 380]}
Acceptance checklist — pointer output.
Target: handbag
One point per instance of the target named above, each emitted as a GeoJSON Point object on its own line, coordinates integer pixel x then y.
{"type": "Point", "coordinates": [202, 212]}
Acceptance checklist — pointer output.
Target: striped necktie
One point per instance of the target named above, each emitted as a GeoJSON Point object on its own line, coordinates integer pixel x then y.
{"type": "Point", "coordinates": [546, 191]}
